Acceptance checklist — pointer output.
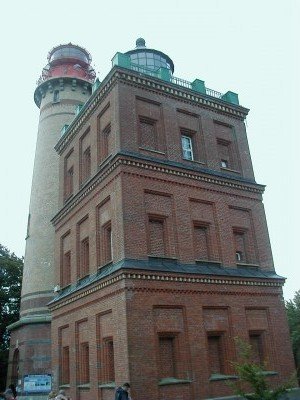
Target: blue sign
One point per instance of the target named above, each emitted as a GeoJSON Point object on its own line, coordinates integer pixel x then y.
{"type": "Point", "coordinates": [37, 383]}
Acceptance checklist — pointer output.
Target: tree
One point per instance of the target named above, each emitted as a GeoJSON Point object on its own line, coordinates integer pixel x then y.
{"type": "Point", "coordinates": [252, 378]}
{"type": "Point", "coordinates": [11, 268]}
{"type": "Point", "coordinates": [293, 315]}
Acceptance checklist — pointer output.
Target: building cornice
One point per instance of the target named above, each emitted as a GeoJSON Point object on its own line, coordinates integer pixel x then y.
{"type": "Point", "coordinates": [181, 93]}
{"type": "Point", "coordinates": [143, 271]}
{"type": "Point", "coordinates": [150, 164]}
{"type": "Point", "coordinates": [150, 84]}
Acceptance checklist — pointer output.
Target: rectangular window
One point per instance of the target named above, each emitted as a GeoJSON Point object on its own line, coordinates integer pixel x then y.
{"type": "Point", "coordinates": [106, 150]}
{"type": "Point", "coordinates": [108, 360]}
{"type": "Point", "coordinates": [69, 182]}
{"type": "Point", "coordinates": [107, 243]}
{"type": "Point", "coordinates": [224, 163]}
{"type": "Point", "coordinates": [225, 154]}
{"type": "Point", "coordinates": [84, 257]}
{"type": "Point", "coordinates": [66, 273]}
{"type": "Point", "coordinates": [240, 245]}
{"type": "Point", "coordinates": [215, 354]}
{"type": "Point", "coordinates": [157, 236]}
{"type": "Point", "coordinates": [86, 164]}
{"type": "Point", "coordinates": [56, 96]}
{"type": "Point", "coordinates": [148, 133]}
{"type": "Point", "coordinates": [187, 147]}
{"type": "Point", "coordinates": [65, 367]}
{"type": "Point", "coordinates": [256, 344]}
{"type": "Point", "coordinates": [84, 366]}
{"type": "Point", "coordinates": [167, 357]}
{"type": "Point", "coordinates": [201, 242]}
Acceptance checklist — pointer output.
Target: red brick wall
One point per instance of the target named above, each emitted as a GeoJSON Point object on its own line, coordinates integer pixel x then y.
{"type": "Point", "coordinates": [151, 307]}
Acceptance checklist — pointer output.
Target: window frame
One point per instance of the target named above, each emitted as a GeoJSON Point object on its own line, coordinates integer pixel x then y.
{"type": "Point", "coordinates": [162, 219]}
{"type": "Point", "coordinates": [184, 135]}
{"type": "Point", "coordinates": [107, 243]}
{"type": "Point", "coordinates": [152, 122]}
{"type": "Point", "coordinates": [65, 366]}
{"type": "Point", "coordinates": [84, 257]}
{"type": "Point", "coordinates": [56, 97]}
{"type": "Point", "coordinates": [106, 377]}
{"type": "Point", "coordinates": [66, 268]}
{"type": "Point", "coordinates": [221, 351]}
{"type": "Point", "coordinates": [243, 232]}
{"type": "Point", "coordinates": [86, 164]}
{"type": "Point", "coordinates": [261, 345]}
{"type": "Point", "coordinates": [205, 226]}
{"type": "Point", "coordinates": [84, 367]}
{"type": "Point", "coordinates": [175, 352]}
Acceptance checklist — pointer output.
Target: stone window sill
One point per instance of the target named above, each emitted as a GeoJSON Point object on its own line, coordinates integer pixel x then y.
{"type": "Point", "coordinates": [230, 170]}
{"type": "Point", "coordinates": [194, 161]}
{"type": "Point", "coordinates": [152, 150]}
{"type": "Point", "coordinates": [269, 373]}
{"type": "Point", "coordinates": [65, 386]}
{"type": "Point", "coordinates": [172, 381]}
{"type": "Point", "coordinates": [208, 262]}
{"type": "Point", "coordinates": [247, 265]}
{"type": "Point", "coordinates": [222, 377]}
{"type": "Point", "coordinates": [162, 257]}
{"type": "Point", "coordinates": [83, 386]}
{"type": "Point", "coordinates": [108, 385]}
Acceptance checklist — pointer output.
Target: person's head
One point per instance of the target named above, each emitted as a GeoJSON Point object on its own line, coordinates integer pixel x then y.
{"type": "Point", "coordinates": [126, 386]}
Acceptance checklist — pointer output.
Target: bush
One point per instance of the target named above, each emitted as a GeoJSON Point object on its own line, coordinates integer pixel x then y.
{"type": "Point", "coordinates": [253, 376]}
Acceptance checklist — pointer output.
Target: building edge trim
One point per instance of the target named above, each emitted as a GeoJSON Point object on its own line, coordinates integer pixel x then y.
{"type": "Point", "coordinates": [40, 319]}
{"type": "Point", "coordinates": [170, 272]}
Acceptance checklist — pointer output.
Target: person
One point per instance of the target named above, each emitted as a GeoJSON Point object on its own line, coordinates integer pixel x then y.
{"type": "Point", "coordinates": [61, 395]}
{"type": "Point", "coordinates": [122, 392]}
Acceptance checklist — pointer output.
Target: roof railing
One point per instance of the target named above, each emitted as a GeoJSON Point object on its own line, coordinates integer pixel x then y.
{"type": "Point", "coordinates": [123, 60]}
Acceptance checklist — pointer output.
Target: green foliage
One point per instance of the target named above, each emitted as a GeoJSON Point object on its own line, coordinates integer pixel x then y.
{"type": "Point", "coordinates": [252, 384]}
{"type": "Point", "coordinates": [11, 268]}
{"type": "Point", "coordinates": [293, 314]}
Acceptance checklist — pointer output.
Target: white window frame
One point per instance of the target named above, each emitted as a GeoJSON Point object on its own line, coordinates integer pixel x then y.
{"type": "Point", "coordinates": [239, 256]}
{"type": "Point", "coordinates": [187, 151]}
{"type": "Point", "coordinates": [224, 163]}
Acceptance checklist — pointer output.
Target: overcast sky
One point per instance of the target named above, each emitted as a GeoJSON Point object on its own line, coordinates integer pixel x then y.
{"type": "Point", "coordinates": [248, 47]}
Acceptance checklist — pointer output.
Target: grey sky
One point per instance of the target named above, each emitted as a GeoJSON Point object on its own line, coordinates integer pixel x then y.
{"type": "Point", "coordinates": [247, 47]}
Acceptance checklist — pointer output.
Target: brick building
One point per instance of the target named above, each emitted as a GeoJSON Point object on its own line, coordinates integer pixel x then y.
{"type": "Point", "coordinates": [162, 254]}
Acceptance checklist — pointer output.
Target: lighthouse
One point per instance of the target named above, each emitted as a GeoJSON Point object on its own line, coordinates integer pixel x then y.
{"type": "Point", "coordinates": [63, 87]}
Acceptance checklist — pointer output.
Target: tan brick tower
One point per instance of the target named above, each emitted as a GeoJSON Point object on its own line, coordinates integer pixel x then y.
{"type": "Point", "coordinates": [64, 86]}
